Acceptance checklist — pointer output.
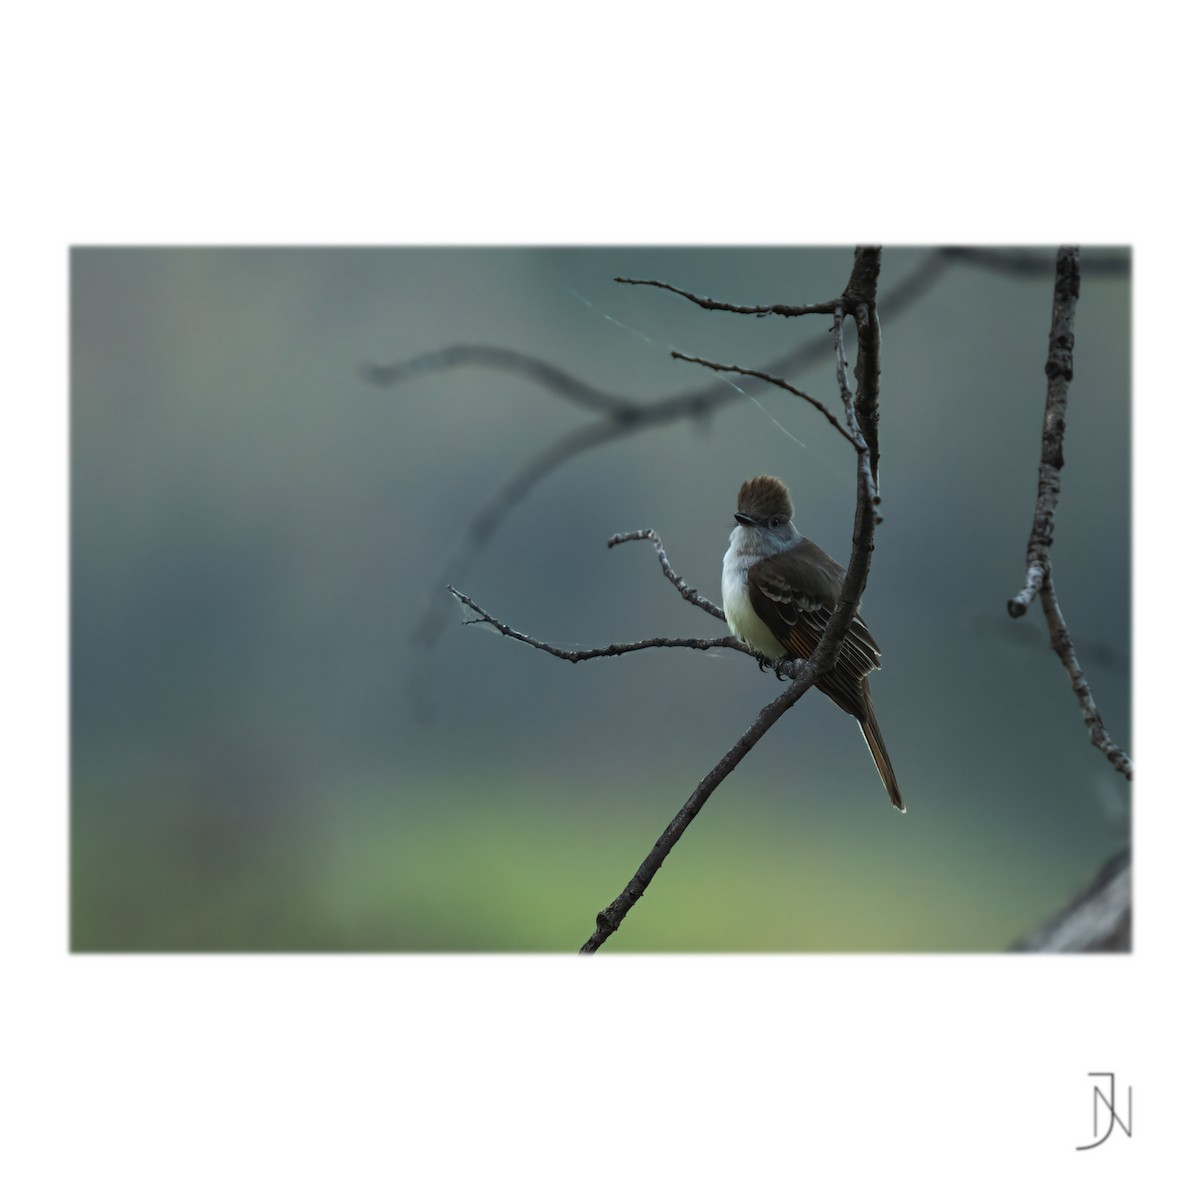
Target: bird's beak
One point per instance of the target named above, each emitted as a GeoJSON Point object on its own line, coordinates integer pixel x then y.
{"type": "Point", "coordinates": [744, 519]}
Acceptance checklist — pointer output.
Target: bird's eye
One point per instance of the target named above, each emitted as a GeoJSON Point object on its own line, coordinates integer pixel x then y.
{"type": "Point", "coordinates": [775, 522]}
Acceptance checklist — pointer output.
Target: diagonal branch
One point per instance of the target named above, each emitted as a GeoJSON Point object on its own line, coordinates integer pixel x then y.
{"type": "Point", "coordinates": [1059, 370]}
{"type": "Point", "coordinates": [608, 920]}
{"type": "Point", "coordinates": [1060, 639]}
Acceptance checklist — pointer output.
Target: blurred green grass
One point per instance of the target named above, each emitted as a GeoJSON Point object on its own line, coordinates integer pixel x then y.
{"type": "Point", "coordinates": [483, 866]}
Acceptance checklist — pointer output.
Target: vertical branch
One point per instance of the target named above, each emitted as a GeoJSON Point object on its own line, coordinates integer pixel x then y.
{"type": "Point", "coordinates": [860, 298]}
{"type": "Point", "coordinates": [1060, 367]}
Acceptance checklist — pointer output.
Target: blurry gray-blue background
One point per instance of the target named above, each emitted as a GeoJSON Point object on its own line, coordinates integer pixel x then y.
{"type": "Point", "coordinates": [262, 760]}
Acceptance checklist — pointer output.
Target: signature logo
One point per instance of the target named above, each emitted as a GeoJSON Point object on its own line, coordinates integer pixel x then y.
{"type": "Point", "coordinates": [1108, 1101]}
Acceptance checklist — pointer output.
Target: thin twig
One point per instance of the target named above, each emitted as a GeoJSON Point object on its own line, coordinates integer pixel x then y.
{"type": "Point", "coordinates": [773, 379]}
{"type": "Point", "coordinates": [1059, 370]}
{"type": "Point", "coordinates": [755, 310]}
{"type": "Point", "coordinates": [1060, 639]}
{"type": "Point", "coordinates": [823, 659]}
{"type": "Point", "coordinates": [611, 651]}
{"type": "Point", "coordinates": [689, 593]}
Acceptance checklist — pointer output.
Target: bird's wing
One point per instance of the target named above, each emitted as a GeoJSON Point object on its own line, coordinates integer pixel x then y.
{"type": "Point", "coordinates": [794, 594]}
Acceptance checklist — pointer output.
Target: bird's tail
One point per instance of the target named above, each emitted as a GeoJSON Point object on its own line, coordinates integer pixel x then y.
{"type": "Point", "coordinates": [870, 729]}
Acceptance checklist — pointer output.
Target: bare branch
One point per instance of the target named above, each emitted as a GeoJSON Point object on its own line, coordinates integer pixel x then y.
{"type": "Point", "coordinates": [866, 268]}
{"type": "Point", "coordinates": [1059, 370]}
{"type": "Point", "coordinates": [861, 290]}
{"type": "Point", "coordinates": [774, 379]}
{"type": "Point", "coordinates": [689, 593]}
{"type": "Point", "coordinates": [755, 310]}
{"type": "Point", "coordinates": [612, 651]}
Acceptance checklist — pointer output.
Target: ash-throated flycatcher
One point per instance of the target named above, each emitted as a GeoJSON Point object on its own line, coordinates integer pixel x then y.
{"type": "Point", "coordinates": [779, 591]}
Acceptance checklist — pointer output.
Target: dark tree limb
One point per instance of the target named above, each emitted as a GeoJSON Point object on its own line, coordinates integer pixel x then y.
{"type": "Point", "coordinates": [1059, 371]}
{"type": "Point", "coordinates": [866, 268]}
